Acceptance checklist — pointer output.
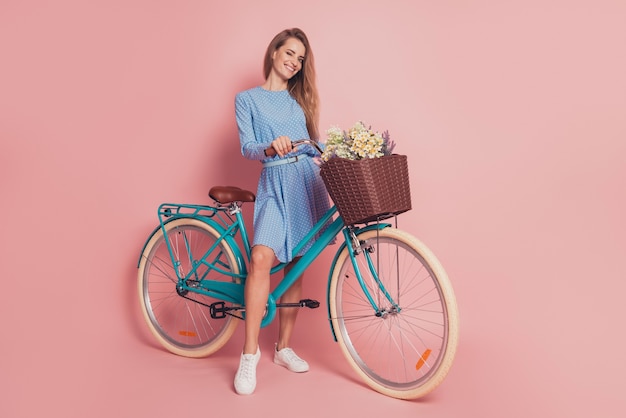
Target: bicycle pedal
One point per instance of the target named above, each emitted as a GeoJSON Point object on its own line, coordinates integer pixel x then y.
{"type": "Point", "coordinates": [309, 303]}
{"type": "Point", "coordinates": [218, 310]}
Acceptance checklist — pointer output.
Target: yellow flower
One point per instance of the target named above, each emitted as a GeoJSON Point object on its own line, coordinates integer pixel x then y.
{"type": "Point", "coordinates": [356, 143]}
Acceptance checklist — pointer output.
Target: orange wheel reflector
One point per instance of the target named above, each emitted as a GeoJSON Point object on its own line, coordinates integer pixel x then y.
{"type": "Point", "coordinates": [188, 333]}
{"type": "Point", "coordinates": [423, 359]}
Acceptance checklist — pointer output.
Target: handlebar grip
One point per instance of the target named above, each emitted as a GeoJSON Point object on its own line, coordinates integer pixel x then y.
{"type": "Point", "coordinates": [270, 152]}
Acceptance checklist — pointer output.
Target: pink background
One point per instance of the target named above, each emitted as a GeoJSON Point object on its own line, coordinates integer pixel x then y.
{"type": "Point", "coordinates": [512, 113]}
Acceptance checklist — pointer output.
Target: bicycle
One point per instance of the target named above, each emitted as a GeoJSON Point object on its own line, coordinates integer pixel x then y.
{"type": "Point", "coordinates": [391, 306]}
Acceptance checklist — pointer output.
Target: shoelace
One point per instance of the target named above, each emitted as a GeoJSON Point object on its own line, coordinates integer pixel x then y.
{"type": "Point", "coordinates": [247, 367]}
{"type": "Point", "coordinates": [290, 356]}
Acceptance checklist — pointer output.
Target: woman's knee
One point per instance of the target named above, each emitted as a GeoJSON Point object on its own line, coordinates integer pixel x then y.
{"type": "Point", "coordinates": [262, 257]}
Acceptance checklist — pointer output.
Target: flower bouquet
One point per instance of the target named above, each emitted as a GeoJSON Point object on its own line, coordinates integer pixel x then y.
{"type": "Point", "coordinates": [365, 180]}
{"type": "Point", "coordinates": [357, 143]}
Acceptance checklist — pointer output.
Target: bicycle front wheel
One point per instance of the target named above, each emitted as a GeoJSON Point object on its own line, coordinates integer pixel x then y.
{"type": "Point", "coordinates": [181, 324]}
{"type": "Point", "coordinates": [406, 347]}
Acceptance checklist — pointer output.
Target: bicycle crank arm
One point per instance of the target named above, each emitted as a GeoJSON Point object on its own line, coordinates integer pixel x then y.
{"type": "Point", "coordinates": [304, 303]}
{"type": "Point", "coordinates": [219, 310]}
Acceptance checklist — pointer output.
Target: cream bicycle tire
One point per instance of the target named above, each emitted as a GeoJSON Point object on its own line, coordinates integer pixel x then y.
{"type": "Point", "coordinates": [180, 325]}
{"type": "Point", "coordinates": [407, 351]}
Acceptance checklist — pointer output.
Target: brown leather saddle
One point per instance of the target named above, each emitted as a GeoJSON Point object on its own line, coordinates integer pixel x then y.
{"type": "Point", "coordinates": [229, 194]}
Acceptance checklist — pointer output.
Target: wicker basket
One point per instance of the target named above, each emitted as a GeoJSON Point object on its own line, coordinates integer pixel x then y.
{"type": "Point", "coordinates": [368, 190]}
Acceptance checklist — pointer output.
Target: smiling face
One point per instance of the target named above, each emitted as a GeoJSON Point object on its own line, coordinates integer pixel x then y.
{"type": "Point", "coordinates": [287, 60]}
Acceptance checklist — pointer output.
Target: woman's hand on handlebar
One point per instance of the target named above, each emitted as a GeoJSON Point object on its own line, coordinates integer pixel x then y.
{"type": "Point", "coordinates": [281, 146]}
{"type": "Point", "coordinates": [288, 146]}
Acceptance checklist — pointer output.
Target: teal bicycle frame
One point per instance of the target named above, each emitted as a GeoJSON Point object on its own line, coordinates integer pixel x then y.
{"type": "Point", "coordinates": [221, 220]}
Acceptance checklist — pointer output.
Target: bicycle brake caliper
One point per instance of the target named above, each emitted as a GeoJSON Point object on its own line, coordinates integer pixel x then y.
{"type": "Point", "coordinates": [356, 244]}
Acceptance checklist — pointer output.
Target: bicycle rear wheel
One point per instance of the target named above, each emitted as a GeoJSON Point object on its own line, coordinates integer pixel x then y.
{"type": "Point", "coordinates": [406, 349]}
{"type": "Point", "coordinates": [183, 326]}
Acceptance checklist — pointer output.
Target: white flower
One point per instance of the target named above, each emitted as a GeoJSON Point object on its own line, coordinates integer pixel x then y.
{"type": "Point", "coordinates": [357, 143]}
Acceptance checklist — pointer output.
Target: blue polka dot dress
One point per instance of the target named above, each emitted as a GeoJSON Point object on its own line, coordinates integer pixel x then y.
{"type": "Point", "coordinates": [292, 197]}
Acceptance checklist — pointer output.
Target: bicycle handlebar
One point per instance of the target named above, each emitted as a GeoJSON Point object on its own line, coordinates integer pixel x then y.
{"type": "Point", "coordinates": [270, 152]}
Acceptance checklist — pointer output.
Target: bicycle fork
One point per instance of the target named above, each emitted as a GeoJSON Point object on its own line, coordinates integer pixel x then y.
{"type": "Point", "coordinates": [356, 248]}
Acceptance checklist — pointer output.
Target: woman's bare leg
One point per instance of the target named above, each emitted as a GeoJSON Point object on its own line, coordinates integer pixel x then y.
{"type": "Point", "coordinates": [287, 316]}
{"type": "Point", "coordinates": [256, 291]}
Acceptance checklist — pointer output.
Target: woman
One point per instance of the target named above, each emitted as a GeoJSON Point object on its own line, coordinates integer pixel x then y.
{"type": "Point", "coordinates": [291, 196]}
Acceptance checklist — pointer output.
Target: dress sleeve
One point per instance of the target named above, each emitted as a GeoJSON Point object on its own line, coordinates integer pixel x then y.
{"type": "Point", "coordinates": [250, 148]}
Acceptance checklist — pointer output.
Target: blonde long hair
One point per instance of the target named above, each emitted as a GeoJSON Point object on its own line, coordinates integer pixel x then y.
{"type": "Point", "coordinates": [302, 86]}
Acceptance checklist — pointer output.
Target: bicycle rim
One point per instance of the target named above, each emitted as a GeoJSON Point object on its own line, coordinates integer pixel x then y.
{"type": "Point", "coordinates": [406, 349]}
{"type": "Point", "coordinates": [181, 325]}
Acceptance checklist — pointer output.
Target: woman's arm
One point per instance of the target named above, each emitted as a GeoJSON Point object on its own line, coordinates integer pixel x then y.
{"type": "Point", "coordinates": [250, 148]}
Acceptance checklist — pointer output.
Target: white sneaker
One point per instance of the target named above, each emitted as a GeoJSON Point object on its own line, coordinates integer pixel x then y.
{"type": "Point", "coordinates": [289, 359]}
{"type": "Point", "coordinates": [245, 378]}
